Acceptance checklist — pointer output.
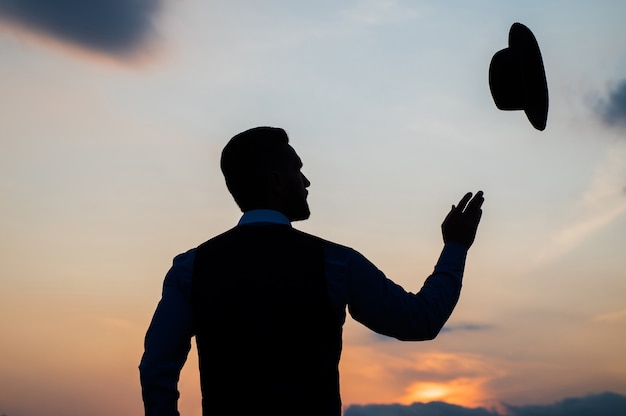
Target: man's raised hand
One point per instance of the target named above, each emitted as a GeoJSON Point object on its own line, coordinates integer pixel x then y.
{"type": "Point", "coordinates": [461, 223]}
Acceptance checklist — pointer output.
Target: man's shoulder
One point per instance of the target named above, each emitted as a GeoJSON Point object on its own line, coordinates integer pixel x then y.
{"type": "Point", "coordinates": [332, 245]}
{"type": "Point", "coordinates": [216, 237]}
{"type": "Point", "coordinates": [185, 258]}
{"type": "Point", "coordinates": [234, 232]}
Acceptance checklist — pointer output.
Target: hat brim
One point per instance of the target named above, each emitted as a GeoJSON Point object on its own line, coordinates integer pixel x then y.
{"type": "Point", "coordinates": [526, 52]}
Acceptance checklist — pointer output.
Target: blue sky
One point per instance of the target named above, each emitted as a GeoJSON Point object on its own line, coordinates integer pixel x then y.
{"type": "Point", "coordinates": [109, 150]}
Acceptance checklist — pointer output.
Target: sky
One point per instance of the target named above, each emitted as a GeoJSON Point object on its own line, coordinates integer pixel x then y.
{"type": "Point", "coordinates": [113, 116]}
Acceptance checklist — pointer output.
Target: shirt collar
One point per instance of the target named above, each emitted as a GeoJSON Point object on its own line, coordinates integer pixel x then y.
{"type": "Point", "coordinates": [263, 216]}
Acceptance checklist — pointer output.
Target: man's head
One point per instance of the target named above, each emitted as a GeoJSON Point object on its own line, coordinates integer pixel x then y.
{"type": "Point", "coordinates": [262, 171]}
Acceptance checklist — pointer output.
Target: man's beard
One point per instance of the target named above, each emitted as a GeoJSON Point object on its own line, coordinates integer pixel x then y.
{"type": "Point", "coordinates": [299, 211]}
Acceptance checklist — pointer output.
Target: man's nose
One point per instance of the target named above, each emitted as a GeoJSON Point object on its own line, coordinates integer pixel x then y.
{"type": "Point", "coordinates": [306, 181]}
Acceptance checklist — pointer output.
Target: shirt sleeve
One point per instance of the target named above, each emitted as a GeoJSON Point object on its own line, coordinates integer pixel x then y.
{"type": "Point", "coordinates": [168, 340]}
{"type": "Point", "coordinates": [384, 306]}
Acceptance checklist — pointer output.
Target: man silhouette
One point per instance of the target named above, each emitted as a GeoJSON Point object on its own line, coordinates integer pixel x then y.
{"type": "Point", "coordinates": [267, 302]}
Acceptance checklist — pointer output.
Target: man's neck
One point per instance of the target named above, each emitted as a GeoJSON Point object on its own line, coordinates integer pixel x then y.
{"type": "Point", "coordinates": [255, 216]}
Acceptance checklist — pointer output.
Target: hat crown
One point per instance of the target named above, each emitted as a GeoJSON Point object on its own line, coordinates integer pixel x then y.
{"type": "Point", "coordinates": [504, 80]}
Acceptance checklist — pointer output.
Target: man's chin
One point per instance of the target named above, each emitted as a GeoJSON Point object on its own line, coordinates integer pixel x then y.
{"type": "Point", "coordinates": [300, 215]}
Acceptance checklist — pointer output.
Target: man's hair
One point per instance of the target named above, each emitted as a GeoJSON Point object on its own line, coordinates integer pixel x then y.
{"type": "Point", "coordinates": [246, 161]}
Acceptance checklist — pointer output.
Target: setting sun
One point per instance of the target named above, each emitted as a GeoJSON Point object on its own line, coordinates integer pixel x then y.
{"type": "Point", "coordinates": [428, 392]}
{"type": "Point", "coordinates": [463, 392]}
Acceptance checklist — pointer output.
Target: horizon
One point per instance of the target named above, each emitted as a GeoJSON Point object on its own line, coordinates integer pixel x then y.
{"type": "Point", "coordinates": [608, 403]}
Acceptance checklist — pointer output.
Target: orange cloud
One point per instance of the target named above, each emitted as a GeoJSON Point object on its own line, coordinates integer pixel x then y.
{"type": "Point", "coordinates": [460, 379]}
{"type": "Point", "coordinates": [613, 316]}
{"type": "Point", "coordinates": [386, 373]}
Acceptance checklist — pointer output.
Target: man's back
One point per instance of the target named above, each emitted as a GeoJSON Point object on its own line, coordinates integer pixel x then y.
{"type": "Point", "coordinates": [268, 337]}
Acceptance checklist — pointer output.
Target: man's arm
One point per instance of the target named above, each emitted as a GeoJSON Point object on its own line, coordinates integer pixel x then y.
{"type": "Point", "coordinates": [387, 308]}
{"type": "Point", "coordinates": [168, 340]}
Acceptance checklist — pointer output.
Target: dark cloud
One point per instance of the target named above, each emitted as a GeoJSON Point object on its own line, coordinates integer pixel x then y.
{"type": "Point", "coordinates": [415, 409]}
{"type": "Point", "coordinates": [612, 109]}
{"type": "Point", "coordinates": [606, 404]}
{"type": "Point", "coordinates": [466, 327]}
{"type": "Point", "coordinates": [110, 26]}
{"type": "Point", "coordinates": [446, 328]}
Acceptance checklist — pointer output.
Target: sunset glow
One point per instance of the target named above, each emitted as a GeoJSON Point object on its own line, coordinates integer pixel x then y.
{"type": "Point", "coordinates": [462, 392]}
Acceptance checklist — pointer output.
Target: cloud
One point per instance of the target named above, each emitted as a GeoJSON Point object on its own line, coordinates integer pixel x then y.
{"type": "Point", "coordinates": [447, 328]}
{"type": "Point", "coordinates": [115, 27]}
{"type": "Point", "coordinates": [570, 237]}
{"type": "Point", "coordinates": [600, 404]}
{"type": "Point", "coordinates": [396, 373]}
{"type": "Point", "coordinates": [612, 109]}
{"type": "Point", "coordinates": [415, 409]}
{"type": "Point", "coordinates": [601, 204]}
{"type": "Point", "coordinates": [466, 327]}
{"type": "Point", "coordinates": [608, 404]}
{"type": "Point", "coordinates": [613, 316]}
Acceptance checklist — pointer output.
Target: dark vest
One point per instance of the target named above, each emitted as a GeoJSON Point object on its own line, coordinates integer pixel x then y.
{"type": "Point", "coordinates": [268, 339]}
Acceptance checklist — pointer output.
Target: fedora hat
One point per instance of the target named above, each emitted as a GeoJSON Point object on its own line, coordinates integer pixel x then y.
{"type": "Point", "coordinates": [517, 78]}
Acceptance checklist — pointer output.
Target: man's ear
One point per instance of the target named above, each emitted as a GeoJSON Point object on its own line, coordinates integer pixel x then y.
{"type": "Point", "coordinates": [275, 182]}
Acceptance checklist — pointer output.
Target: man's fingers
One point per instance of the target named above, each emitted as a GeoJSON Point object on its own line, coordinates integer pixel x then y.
{"type": "Point", "coordinates": [463, 201]}
{"type": "Point", "coordinates": [469, 205]}
{"type": "Point", "coordinates": [476, 202]}
{"type": "Point", "coordinates": [475, 215]}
